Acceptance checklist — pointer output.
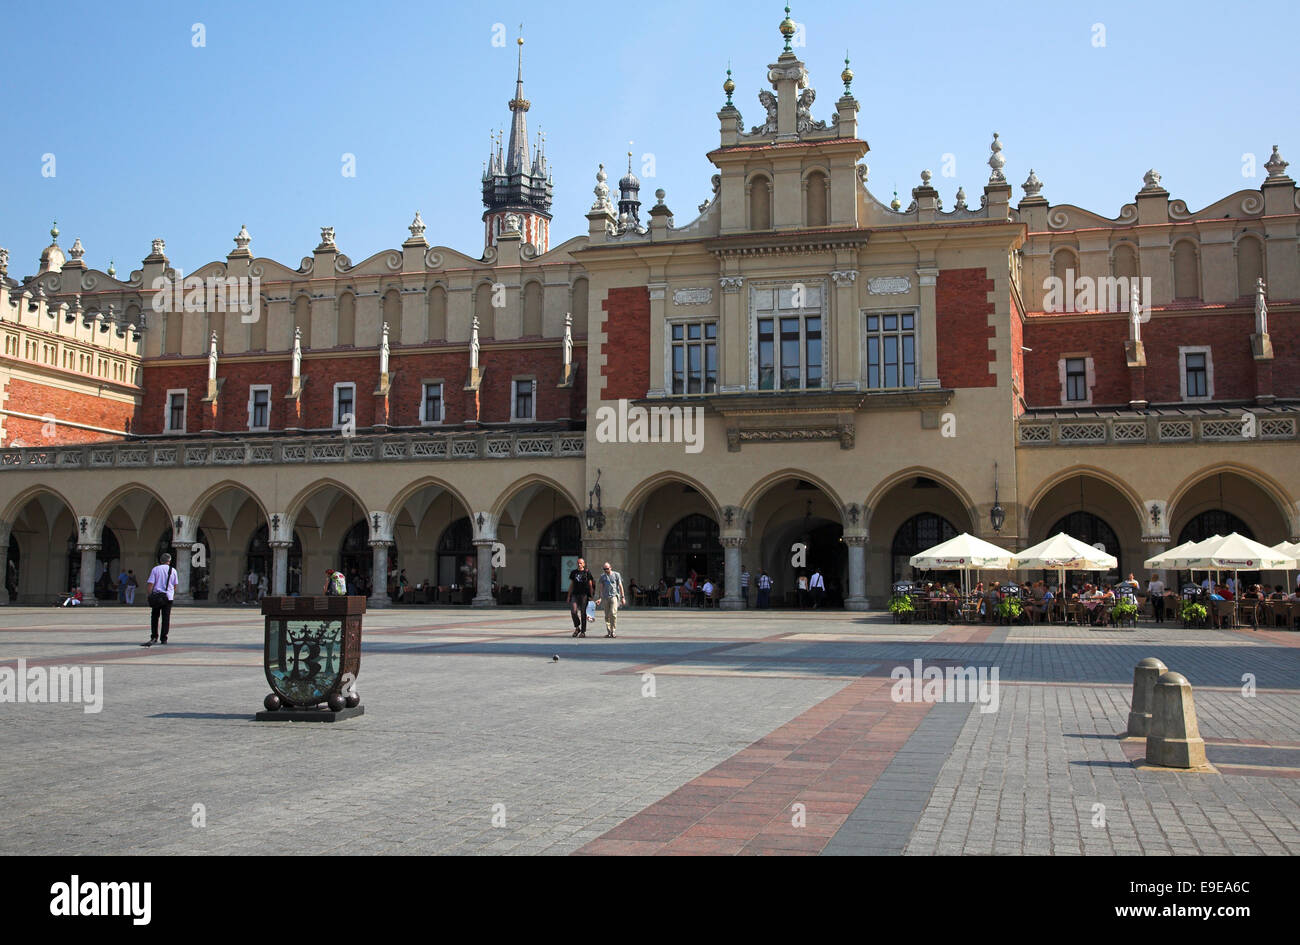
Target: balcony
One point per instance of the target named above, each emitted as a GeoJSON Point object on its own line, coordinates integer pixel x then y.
{"type": "Point", "coordinates": [1158, 426]}
{"type": "Point", "coordinates": [289, 450]}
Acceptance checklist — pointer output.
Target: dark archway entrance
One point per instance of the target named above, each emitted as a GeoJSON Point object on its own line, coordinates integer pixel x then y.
{"type": "Point", "coordinates": [916, 535]}
{"type": "Point", "coordinates": [560, 543]}
{"type": "Point", "coordinates": [1092, 530]}
{"type": "Point", "coordinates": [456, 556]}
{"type": "Point", "coordinates": [198, 575]}
{"type": "Point", "coordinates": [13, 569]}
{"type": "Point", "coordinates": [692, 545]}
{"type": "Point", "coordinates": [109, 554]}
{"type": "Point", "coordinates": [260, 558]}
{"type": "Point", "coordinates": [357, 560]}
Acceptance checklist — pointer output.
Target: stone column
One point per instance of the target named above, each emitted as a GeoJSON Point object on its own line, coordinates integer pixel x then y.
{"type": "Point", "coordinates": [4, 562]}
{"type": "Point", "coordinates": [379, 576]}
{"type": "Point", "coordinates": [184, 594]}
{"type": "Point", "coordinates": [927, 375]}
{"type": "Point", "coordinates": [279, 568]}
{"type": "Point", "coordinates": [857, 599]}
{"type": "Point", "coordinates": [483, 593]}
{"type": "Point", "coordinates": [88, 552]}
{"type": "Point", "coordinates": [732, 599]}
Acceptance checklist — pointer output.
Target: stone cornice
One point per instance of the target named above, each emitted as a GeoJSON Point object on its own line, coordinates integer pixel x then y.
{"type": "Point", "coordinates": [764, 403]}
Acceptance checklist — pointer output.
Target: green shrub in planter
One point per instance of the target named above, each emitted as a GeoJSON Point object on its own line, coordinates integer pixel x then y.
{"type": "Point", "coordinates": [1123, 611]}
{"type": "Point", "coordinates": [1194, 612]}
{"type": "Point", "coordinates": [1009, 608]}
{"type": "Point", "coordinates": [901, 604]}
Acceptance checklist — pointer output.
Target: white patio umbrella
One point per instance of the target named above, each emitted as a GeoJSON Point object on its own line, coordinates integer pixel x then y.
{"type": "Point", "coordinates": [1290, 549]}
{"type": "Point", "coordinates": [964, 553]}
{"type": "Point", "coordinates": [1232, 553]}
{"type": "Point", "coordinates": [1063, 553]}
{"type": "Point", "coordinates": [1167, 559]}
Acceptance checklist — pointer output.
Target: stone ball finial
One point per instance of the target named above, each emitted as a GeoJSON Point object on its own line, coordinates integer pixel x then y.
{"type": "Point", "coordinates": [961, 199]}
{"type": "Point", "coordinates": [925, 178]}
{"type": "Point", "coordinates": [77, 250]}
{"type": "Point", "coordinates": [788, 29]}
{"type": "Point", "coordinates": [847, 76]}
{"type": "Point", "coordinates": [728, 86]}
{"type": "Point", "coordinates": [659, 196]}
{"type": "Point", "coordinates": [996, 161]}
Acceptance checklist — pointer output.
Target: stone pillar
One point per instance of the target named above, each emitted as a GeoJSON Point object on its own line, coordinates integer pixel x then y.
{"type": "Point", "coordinates": [483, 592]}
{"type": "Point", "coordinates": [184, 594]}
{"type": "Point", "coordinates": [279, 568]}
{"type": "Point", "coordinates": [857, 599]}
{"type": "Point", "coordinates": [1145, 675]}
{"type": "Point", "coordinates": [88, 553]}
{"type": "Point", "coordinates": [379, 576]}
{"type": "Point", "coordinates": [927, 319]}
{"type": "Point", "coordinates": [4, 563]}
{"type": "Point", "coordinates": [1175, 739]}
{"type": "Point", "coordinates": [732, 599]}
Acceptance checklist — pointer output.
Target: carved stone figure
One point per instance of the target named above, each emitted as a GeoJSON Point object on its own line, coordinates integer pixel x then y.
{"type": "Point", "coordinates": [212, 357]}
{"type": "Point", "coordinates": [768, 101]}
{"type": "Point", "coordinates": [1261, 308]}
{"type": "Point", "coordinates": [803, 113]}
{"type": "Point", "coordinates": [568, 339]}
{"type": "Point", "coordinates": [473, 345]}
{"type": "Point", "coordinates": [1135, 308]}
{"type": "Point", "coordinates": [297, 353]}
{"type": "Point", "coordinates": [383, 351]}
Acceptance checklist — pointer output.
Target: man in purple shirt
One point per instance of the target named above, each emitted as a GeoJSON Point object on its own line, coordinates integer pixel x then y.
{"type": "Point", "coordinates": [161, 590]}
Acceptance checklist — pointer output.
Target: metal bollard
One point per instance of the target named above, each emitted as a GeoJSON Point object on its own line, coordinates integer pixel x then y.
{"type": "Point", "coordinates": [1174, 740]}
{"type": "Point", "coordinates": [1145, 675]}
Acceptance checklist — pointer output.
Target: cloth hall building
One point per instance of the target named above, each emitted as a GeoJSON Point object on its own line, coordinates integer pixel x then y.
{"type": "Point", "coordinates": [868, 378]}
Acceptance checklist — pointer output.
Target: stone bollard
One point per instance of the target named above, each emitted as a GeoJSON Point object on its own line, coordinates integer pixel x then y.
{"type": "Point", "coordinates": [1145, 675]}
{"type": "Point", "coordinates": [1174, 740]}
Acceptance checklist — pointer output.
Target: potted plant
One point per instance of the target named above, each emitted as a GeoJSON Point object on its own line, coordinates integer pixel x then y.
{"type": "Point", "coordinates": [1194, 614]}
{"type": "Point", "coordinates": [1124, 612]}
{"type": "Point", "coordinates": [1009, 608]}
{"type": "Point", "coordinates": [901, 606]}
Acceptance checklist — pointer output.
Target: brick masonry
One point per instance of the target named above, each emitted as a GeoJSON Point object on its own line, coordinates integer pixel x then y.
{"type": "Point", "coordinates": [962, 310]}
{"type": "Point", "coordinates": [41, 400]}
{"type": "Point", "coordinates": [627, 343]}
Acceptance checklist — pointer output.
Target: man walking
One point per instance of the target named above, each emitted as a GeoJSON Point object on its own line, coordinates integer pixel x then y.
{"type": "Point", "coordinates": [161, 590]}
{"type": "Point", "coordinates": [744, 585]}
{"type": "Point", "coordinates": [130, 588]}
{"type": "Point", "coordinates": [764, 589]}
{"type": "Point", "coordinates": [818, 587]}
{"type": "Point", "coordinates": [581, 589]}
{"type": "Point", "coordinates": [613, 595]}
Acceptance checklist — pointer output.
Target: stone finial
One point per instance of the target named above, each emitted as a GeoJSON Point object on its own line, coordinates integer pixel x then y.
{"type": "Point", "coordinates": [112, 270]}
{"type": "Point", "coordinates": [1151, 180]}
{"type": "Point", "coordinates": [1032, 185]}
{"type": "Point", "coordinates": [512, 223]}
{"type": "Point", "coordinates": [996, 161]}
{"type": "Point", "coordinates": [159, 247]}
{"type": "Point", "coordinates": [1276, 166]}
{"type": "Point", "coordinates": [76, 251]}
{"type": "Point", "coordinates": [788, 29]}
{"type": "Point", "coordinates": [925, 178]}
{"type": "Point", "coordinates": [728, 86]}
{"type": "Point", "coordinates": [4, 261]}
{"type": "Point", "coordinates": [961, 199]}
{"type": "Point", "coordinates": [847, 75]}
{"type": "Point", "coordinates": [326, 238]}
{"type": "Point", "coordinates": [242, 239]}
{"type": "Point", "coordinates": [417, 227]}
{"type": "Point", "coordinates": [601, 190]}
{"type": "Point", "coordinates": [660, 194]}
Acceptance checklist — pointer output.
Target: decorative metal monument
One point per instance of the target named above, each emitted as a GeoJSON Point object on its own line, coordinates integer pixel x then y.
{"type": "Point", "coordinates": [312, 658]}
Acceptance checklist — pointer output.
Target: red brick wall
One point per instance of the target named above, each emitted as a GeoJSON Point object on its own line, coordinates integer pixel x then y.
{"type": "Point", "coordinates": [627, 343]}
{"type": "Point", "coordinates": [42, 400]}
{"type": "Point", "coordinates": [962, 308]}
{"type": "Point", "coordinates": [1228, 336]}
{"type": "Point", "coordinates": [1017, 354]}
{"type": "Point", "coordinates": [408, 371]}
{"type": "Point", "coordinates": [1284, 331]}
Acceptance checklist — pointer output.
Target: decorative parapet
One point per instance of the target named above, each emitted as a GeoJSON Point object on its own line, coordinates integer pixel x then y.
{"type": "Point", "coordinates": [1218, 426]}
{"type": "Point", "coordinates": [356, 449]}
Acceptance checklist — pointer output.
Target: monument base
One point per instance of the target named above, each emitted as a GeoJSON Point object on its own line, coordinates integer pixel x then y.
{"type": "Point", "coordinates": [309, 715]}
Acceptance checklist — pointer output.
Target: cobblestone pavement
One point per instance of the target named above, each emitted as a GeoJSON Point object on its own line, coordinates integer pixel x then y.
{"type": "Point", "coordinates": [691, 732]}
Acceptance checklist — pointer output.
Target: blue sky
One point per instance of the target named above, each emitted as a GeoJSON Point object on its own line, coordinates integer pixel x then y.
{"type": "Point", "coordinates": [153, 136]}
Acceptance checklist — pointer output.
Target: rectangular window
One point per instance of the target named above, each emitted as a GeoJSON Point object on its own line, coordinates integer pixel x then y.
{"type": "Point", "coordinates": [1197, 385]}
{"type": "Point", "coordinates": [524, 400]}
{"type": "Point", "coordinates": [175, 418]}
{"type": "Point", "coordinates": [259, 407]}
{"type": "Point", "coordinates": [1076, 379]}
{"type": "Point", "coordinates": [891, 350]}
{"type": "Point", "coordinates": [695, 358]}
{"type": "Point", "coordinates": [794, 360]}
{"type": "Point", "coordinates": [432, 410]}
{"type": "Point", "coordinates": [344, 404]}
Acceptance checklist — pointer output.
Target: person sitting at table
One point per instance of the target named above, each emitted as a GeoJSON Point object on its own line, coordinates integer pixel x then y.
{"type": "Point", "coordinates": [1278, 593]}
{"type": "Point", "coordinates": [1216, 592]}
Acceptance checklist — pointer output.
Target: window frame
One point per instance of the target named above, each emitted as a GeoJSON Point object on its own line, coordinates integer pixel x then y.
{"type": "Point", "coordinates": [442, 401]}
{"type": "Point", "coordinates": [900, 332]}
{"type": "Point", "coordinates": [703, 343]}
{"type": "Point", "coordinates": [253, 390]}
{"type": "Point", "coordinates": [336, 423]}
{"type": "Point", "coordinates": [514, 398]}
{"type": "Point", "coordinates": [185, 410]}
{"type": "Point", "coordinates": [1063, 377]}
{"type": "Point", "coordinates": [1183, 352]}
{"type": "Point", "coordinates": [776, 315]}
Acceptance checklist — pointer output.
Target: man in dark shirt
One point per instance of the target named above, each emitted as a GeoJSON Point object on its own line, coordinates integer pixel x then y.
{"type": "Point", "coordinates": [581, 587]}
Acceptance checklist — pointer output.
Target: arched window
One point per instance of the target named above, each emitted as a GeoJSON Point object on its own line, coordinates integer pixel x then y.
{"type": "Point", "coordinates": [532, 310]}
{"type": "Point", "coordinates": [817, 195]}
{"type": "Point", "coordinates": [260, 557]}
{"type": "Point", "coordinates": [1250, 265]}
{"type": "Point", "coordinates": [1124, 263]}
{"type": "Point", "coordinates": [561, 544]}
{"type": "Point", "coordinates": [916, 535]}
{"type": "Point", "coordinates": [347, 320]}
{"type": "Point", "coordinates": [1090, 530]}
{"type": "Point", "coordinates": [760, 204]}
{"type": "Point", "coordinates": [456, 557]}
{"type": "Point", "coordinates": [302, 320]}
{"type": "Point", "coordinates": [173, 325]}
{"type": "Point", "coordinates": [1064, 261]}
{"type": "Point", "coordinates": [691, 545]}
{"type": "Point", "coordinates": [437, 330]}
{"type": "Point", "coordinates": [484, 311]}
{"type": "Point", "coordinates": [1213, 522]}
{"type": "Point", "coordinates": [578, 306]}
{"type": "Point", "coordinates": [1187, 276]}
{"type": "Point", "coordinates": [257, 329]}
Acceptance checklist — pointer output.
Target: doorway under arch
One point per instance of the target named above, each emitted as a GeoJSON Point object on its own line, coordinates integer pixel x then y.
{"type": "Point", "coordinates": [559, 544]}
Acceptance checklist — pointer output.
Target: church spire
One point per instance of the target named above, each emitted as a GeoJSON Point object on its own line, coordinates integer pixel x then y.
{"type": "Point", "coordinates": [517, 161]}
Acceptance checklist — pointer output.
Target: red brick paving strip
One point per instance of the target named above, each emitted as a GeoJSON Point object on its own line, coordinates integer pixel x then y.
{"type": "Point", "coordinates": [826, 759]}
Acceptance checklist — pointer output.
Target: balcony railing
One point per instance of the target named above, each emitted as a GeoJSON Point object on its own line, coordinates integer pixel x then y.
{"type": "Point", "coordinates": [355, 449]}
{"type": "Point", "coordinates": [1242, 425]}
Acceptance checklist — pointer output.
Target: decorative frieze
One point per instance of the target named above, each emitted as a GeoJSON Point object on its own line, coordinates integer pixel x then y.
{"type": "Point", "coordinates": [843, 277]}
{"type": "Point", "coordinates": [888, 285]}
{"type": "Point", "coordinates": [692, 296]}
{"type": "Point", "coordinates": [731, 283]}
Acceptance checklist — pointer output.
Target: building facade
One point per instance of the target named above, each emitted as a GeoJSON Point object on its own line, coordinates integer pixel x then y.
{"type": "Point", "coordinates": [802, 376]}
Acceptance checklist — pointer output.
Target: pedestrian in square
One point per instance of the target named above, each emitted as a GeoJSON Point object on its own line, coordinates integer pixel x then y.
{"type": "Point", "coordinates": [744, 584]}
{"type": "Point", "coordinates": [817, 584]}
{"type": "Point", "coordinates": [131, 585]}
{"type": "Point", "coordinates": [582, 588]}
{"type": "Point", "coordinates": [612, 596]}
{"type": "Point", "coordinates": [764, 590]}
{"type": "Point", "coordinates": [161, 591]}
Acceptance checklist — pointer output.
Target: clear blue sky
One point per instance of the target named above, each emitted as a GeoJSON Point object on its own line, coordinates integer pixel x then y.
{"type": "Point", "coordinates": [155, 137]}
